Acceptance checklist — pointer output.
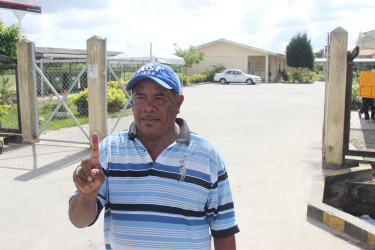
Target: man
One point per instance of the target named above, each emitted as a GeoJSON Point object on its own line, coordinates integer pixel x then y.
{"type": "Point", "coordinates": [367, 104]}
{"type": "Point", "coordinates": [162, 186]}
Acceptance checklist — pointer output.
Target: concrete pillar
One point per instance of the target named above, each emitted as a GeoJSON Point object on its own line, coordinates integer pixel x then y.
{"type": "Point", "coordinates": [266, 68]}
{"type": "Point", "coordinates": [25, 57]}
{"type": "Point", "coordinates": [333, 143]}
{"type": "Point", "coordinates": [96, 81]}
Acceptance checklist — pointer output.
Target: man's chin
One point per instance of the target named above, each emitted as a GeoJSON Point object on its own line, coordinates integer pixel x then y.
{"type": "Point", "coordinates": [150, 123]}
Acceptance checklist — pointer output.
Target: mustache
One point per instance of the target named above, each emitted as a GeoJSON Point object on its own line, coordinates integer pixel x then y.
{"type": "Point", "coordinates": [149, 116]}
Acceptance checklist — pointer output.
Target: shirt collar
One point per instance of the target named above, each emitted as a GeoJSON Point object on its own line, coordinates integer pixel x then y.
{"type": "Point", "coordinates": [183, 137]}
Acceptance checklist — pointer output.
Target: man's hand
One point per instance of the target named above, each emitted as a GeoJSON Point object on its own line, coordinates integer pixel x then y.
{"type": "Point", "coordinates": [228, 243]}
{"type": "Point", "coordinates": [89, 176]}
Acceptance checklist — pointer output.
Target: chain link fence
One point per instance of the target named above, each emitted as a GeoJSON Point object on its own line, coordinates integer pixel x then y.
{"type": "Point", "coordinates": [62, 100]}
{"type": "Point", "coordinates": [119, 114]}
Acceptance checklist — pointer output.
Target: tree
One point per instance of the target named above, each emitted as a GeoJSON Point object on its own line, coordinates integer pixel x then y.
{"type": "Point", "coordinates": [190, 55]}
{"type": "Point", "coordinates": [9, 39]}
{"type": "Point", "coordinates": [299, 52]}
{"type": "Point", "coordinates": [319, 54]}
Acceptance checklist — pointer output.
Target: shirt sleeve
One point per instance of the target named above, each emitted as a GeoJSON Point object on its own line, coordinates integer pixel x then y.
{"type": "Point", "coordinates": [220, 208]}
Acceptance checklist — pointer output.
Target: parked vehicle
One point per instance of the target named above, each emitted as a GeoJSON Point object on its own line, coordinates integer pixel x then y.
{"type": "Point", "coordinates": [236, 75]}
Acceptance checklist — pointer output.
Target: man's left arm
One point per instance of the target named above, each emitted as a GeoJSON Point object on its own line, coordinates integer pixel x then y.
{"type": "Point", "coordinates": [227, 243]}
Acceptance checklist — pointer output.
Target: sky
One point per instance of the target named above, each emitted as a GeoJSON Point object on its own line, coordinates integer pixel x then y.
{"type": "Point", "coordinates": [128, 25]}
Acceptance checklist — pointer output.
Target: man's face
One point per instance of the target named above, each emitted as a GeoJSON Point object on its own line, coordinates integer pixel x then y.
{"type": "Point", "coordinates": [155, 109]}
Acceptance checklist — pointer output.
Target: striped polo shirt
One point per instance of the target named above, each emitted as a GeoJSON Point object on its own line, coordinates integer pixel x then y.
{"type": "Point", "coordinates": [176, 202]}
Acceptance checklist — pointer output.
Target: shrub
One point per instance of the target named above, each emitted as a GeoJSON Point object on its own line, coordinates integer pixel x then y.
{"type": "Point", "coordinates": [187, 81]}
{"type": "Point", "coordinates": [115, 97]}
{"type": "Point", "coordinates": [285, 75]}
{"type": "Point", "coordinates": [197, 78]}
{"type": "Point", "coordinates": [6, 90]}
{"type": "Point", "coordinates": [318, 67]}
{"type": "Point", "coordinates": [210, 73]}
{"type": "Point", "coordinates": [82, 99]}
{"type": "Point", "coordinates": [296, 75]}
{"type": "Point", "coordinates": [356, 100]}
{"type": "Point", "coordinates": [3, 109]}
{"type": "Point", "coordinates": [115, 84]}
{"type": "Point", "coordinates": [54, 105]}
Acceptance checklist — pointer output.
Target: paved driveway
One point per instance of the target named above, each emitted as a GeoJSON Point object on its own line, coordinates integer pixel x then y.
{"type": "Point", "coordinates": [269, 136]}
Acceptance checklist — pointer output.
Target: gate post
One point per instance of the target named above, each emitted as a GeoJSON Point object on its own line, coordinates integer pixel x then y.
{"type": "Point", "coordinates": [333, 148]}
{"type": "Point", "coordinates": [25, 56]}
{"type": "Point", "coordinates": [97, 89]}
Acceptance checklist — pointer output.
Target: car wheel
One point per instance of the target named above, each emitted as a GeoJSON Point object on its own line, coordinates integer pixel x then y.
{"type": "Point", "coordinates": [249, 81]}
{"type": "Point", "coordinates": [223, 81]}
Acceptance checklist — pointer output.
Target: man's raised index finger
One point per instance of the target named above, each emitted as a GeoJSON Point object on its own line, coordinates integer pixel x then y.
{"type": "Point", "coordinates": [94, 150]}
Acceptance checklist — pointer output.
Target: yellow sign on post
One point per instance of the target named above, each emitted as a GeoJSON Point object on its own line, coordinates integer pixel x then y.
{"type": "Point", "coordinates": [367, 84]}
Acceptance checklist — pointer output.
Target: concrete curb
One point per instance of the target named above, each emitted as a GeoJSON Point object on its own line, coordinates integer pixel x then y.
{"type": "Point", "coordinates": [339, 222]}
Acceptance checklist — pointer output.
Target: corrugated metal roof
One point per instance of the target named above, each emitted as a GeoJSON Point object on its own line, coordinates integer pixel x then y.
{"type": "Point", "coordinates": [49, 52]}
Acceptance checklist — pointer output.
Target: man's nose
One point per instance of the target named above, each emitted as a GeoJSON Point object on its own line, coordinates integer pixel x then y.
{"type": "Point", "coordinates": [149, 106]}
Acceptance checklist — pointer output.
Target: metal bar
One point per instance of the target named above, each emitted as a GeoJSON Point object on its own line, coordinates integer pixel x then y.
{"type": "Point", "coordinates": [8, 66]}
{"type": "Point", "coordinates": [18, 103]}
{"type": "Point", "coordinates": [7, 59]}
{"type": "Point", "coordinates": [35, 92]}
{"type": "Point", "coordinates": [61, 61]}
{"type": "Point", "coordinates": [361, 153]}
{"type": "Point", "coordinates": [75, 142]}
{"type": "Point", "coordinates": [9, 130]}
{"type": "Point", "coordinates": [41, 81]}
{"type": "Point", "coordinates": [348, 98]}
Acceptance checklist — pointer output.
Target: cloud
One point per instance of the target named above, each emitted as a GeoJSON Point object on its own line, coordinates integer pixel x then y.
{"type": "Point", "coordinates": [128, 25]}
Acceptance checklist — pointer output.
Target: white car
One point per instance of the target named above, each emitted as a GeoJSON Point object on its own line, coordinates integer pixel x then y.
{"type": "Point", "coordinates": [236, 75]}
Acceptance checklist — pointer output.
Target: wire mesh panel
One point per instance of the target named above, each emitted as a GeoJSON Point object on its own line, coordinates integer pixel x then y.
{"type": "Point", "coordinates": [9, 117]}
{"type": "Point", "coordinates": [119, 114]}
{"type": "Point", "coordinates": [62, 100]}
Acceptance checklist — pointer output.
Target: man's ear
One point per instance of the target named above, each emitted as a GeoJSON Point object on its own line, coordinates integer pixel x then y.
{"type": "Point", "coordinates": [180, 100]}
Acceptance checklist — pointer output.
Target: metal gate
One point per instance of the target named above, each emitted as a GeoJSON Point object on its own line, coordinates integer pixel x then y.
{"type": "Point", "coordinates": [62, 98]}
{"type": "Point", "coordinates": [359, 135]}
{"type": "Point", "coordinates": [62, 112]}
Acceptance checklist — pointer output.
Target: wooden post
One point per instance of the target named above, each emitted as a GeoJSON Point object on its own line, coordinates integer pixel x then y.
{"type": "Point", "coordinates": [97, 90]}
{"type": "Point", "coordinates": [333, 148]}
{"type": "Point", "coordinates": [25, 55]}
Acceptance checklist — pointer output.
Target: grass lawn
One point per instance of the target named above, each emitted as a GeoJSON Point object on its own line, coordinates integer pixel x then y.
{"type": "Point", "coordinates": [44, 111]}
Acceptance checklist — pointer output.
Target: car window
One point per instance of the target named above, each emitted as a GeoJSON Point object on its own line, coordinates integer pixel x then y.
{"type": "Point", "coordinates": [229, 72]}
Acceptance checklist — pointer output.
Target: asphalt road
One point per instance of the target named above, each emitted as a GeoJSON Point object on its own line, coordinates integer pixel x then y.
{"type": "Point", "coordinates": [270, 136]}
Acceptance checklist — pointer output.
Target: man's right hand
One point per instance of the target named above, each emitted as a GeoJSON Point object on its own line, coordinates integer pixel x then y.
{"type": "Point", "coordinates": [89, 176]}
